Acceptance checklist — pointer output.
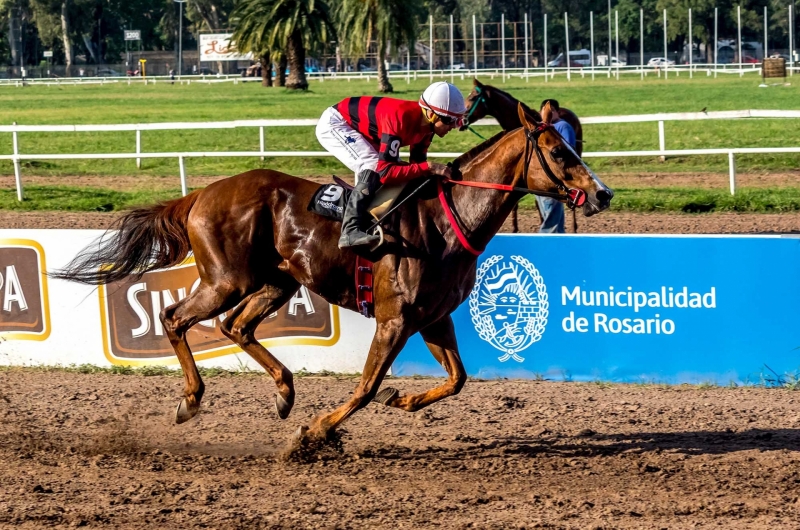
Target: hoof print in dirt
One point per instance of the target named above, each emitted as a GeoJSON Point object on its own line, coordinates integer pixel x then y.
{"type": "Point", "coordinates": [509, 402]}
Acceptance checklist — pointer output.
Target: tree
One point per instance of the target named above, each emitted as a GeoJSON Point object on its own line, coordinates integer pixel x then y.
{"type": "Point", "coordinates": [361, 21]}
{"type": "Point", "coordinates": [277, 25]}
{"type": "Point", "coordinates": [252, 35]}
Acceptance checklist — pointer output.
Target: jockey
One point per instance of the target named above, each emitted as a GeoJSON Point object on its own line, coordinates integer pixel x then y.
{"type": "Point", "coordinates": [366, 134]}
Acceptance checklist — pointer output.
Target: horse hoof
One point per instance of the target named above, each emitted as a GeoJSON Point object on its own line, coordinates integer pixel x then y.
{"type": "Point", "coordinates": [282, 406]}
{"type": "Point", "coordinates": [386, 396]}
{"type": "Point", "coordinates": [185, 412]}
{"type": "Point", "coordinates": [300, 435]}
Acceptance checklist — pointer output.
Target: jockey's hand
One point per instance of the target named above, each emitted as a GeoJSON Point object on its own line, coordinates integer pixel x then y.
{"type": "Point", "coordinates": [441, 170]}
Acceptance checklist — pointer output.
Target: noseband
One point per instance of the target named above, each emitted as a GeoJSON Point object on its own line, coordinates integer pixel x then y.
{"type": "Point", "coordinates": [573, 197]}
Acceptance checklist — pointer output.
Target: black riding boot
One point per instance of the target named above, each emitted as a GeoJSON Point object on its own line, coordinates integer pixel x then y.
{"type": "Point", "coordinates": [356, 209]}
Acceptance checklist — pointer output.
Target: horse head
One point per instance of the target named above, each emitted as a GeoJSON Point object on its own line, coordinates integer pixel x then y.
{"type": "Point", "coordinates": [477, 105]}
{"type": "Point", "coordinates": [486, 100]}
{"type": "Point", "coordinates": [554, 166]}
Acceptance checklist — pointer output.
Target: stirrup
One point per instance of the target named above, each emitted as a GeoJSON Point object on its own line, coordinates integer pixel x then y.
{"type": "Point", "coordinates": [374, 247]}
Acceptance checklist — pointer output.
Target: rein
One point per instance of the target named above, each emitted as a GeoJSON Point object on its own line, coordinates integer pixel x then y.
{"type": "Point", "coordinates": [573, 197]}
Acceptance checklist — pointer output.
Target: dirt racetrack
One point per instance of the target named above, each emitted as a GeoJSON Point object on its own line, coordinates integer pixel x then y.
{"type": "Point", "coordinates": [605, 223]}
{"type": "Point", "coordinates": [610, 222]}
{"type": "Point", "coordinates": [101, 451]}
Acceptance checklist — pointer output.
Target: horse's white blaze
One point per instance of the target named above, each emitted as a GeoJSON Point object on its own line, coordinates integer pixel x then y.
{"type": "Point", "coordinates": [595, 178]}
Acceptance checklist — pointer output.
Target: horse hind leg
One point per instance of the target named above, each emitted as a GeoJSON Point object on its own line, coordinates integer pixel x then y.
{"type": "Point", "coordinates": [207, 301]}
{"type": "Point", "coordinates": [240, 327]}
{"type": "Point", "coordinates": [440, 338]}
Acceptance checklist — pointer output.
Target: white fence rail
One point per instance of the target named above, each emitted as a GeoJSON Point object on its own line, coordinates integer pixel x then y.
{"type": "Point", "coordinates": [460, 73]}
{"type": "Point", "coordinates": [17, 156]}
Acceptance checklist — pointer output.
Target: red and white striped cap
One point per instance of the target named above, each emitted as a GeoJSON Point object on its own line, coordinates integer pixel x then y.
{"type": "Point", "coordinates": [444, 99]}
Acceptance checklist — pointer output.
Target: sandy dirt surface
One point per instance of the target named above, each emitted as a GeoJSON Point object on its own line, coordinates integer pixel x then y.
{"type": "Point", "coordinates": [102, 451]}
{"type": "Point", "coordinates": [608, 222]}
{"type": "Point", "coordinates": [614, 180]}
{"type": "Point", "coordinates": [605, 223]}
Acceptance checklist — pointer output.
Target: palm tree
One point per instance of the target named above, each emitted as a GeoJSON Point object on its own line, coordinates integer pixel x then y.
{"type": "Point", "coordinates": [250, 36]}
{"type": "Point", "coordinates": [273, 26]}
{"type": "Point", "coordinates": [361, 21]}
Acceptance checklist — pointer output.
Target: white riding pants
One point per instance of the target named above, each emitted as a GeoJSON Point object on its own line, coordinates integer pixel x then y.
{"type": "Point", "coordinates": [345, 143]}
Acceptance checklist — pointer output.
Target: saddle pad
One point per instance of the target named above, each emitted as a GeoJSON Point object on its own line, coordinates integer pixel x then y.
{"type": "Point", "coordinates": [330, 200]}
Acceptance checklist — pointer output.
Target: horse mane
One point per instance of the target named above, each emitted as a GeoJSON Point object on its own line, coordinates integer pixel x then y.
{"type": "Point", "coordinates": [482, 147]}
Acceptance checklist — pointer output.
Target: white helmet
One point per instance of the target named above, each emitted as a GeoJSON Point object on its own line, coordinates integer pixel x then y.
{"type": "Point", "coordinates": [443, 99]}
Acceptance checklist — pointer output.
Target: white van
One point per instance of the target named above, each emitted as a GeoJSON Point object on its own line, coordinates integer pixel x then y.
{"type": "Point", "coordinates": [577, 59]}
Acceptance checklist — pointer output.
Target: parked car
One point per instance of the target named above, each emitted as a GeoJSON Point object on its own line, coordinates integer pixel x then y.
{"type": "Point", "coordinates": [780, 56]}
{"type": "Point", "coordinates": [602, 60]}
{"type": "Point", "coordinates": [577, 59]}
{"type": "Point", "coordinates": [107, 72]}
{"type": "Point", "coordinates": [747, 59]}
{"type": "Point", "coordinates": [660, 62]}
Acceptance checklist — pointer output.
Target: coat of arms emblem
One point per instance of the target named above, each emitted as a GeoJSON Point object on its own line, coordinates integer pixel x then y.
{"type": "Point", "coordinates": [508, 305]}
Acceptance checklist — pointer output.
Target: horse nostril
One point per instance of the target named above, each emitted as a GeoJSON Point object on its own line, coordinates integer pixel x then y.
{"type": "Point", "coordinates": [604, 196]}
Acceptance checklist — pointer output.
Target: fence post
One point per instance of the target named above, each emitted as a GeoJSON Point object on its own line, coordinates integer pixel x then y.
{"type": "Point", "coordinates": [138, 148]}
{"type": "Point", "coordinates": [503, 42]}
{"type": "Point", "coordinates": [662, 141]}
{"type": "Point", "coordinates": [184, 191]}
{"type": "Point", "coordinates": [430, 50]}
{"type": "Point", "coordinates": [732, 171]}
{"type": "Point", "coordinates": [261, 140]}
{"type": "Point", "coordinates": [17, 169]}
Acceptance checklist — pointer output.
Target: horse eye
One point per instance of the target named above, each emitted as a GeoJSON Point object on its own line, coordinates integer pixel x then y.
{"type": "Point", "coordinates": [558, 153]}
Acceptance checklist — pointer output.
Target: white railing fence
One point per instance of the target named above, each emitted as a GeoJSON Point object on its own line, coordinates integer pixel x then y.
{"type": "Point", "coordinates": [504, 74]}
{"type": "Point", "coordinates": [16, 157]}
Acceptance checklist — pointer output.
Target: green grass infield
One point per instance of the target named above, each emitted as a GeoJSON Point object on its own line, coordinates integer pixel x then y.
{"type": "Point", "coordinates": [163, 102]}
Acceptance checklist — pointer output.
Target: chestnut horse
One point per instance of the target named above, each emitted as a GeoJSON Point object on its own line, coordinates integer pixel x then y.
{"type": "Point", "coordinates": [255, 243]}
{"type": "Point", "coordinates": [486, 100]}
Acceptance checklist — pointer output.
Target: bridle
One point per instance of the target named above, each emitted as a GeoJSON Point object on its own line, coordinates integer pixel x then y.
{"type": "Point", "coordinates": [481, 99]}
{"type": "Point", "coordinates": [573, 197]}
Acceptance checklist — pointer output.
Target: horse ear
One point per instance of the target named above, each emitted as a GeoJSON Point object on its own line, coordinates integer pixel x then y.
{"type": "Point", "coordinates": [476, 83]}
{"type": "Point", "coordinates": [523, 117]}
{"type": "Point", "coordinates": [547, 113]}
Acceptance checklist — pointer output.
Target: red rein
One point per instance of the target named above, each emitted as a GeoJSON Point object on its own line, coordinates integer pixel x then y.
{"type": "Point", "coordinates": [449, 213]}
{"type": "Point", "coordinates": [576, 197]}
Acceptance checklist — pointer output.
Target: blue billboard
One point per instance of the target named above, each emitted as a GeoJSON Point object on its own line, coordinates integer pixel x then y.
{"type": "Point", "coordinates": [628, 308]}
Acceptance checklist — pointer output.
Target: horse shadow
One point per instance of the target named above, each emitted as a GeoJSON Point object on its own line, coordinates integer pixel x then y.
{"type": "Point", "coordinates": [590, 444]}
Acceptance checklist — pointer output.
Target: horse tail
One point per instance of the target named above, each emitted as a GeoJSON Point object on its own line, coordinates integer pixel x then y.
{"type": "Point", "coordinates": [149, 238]}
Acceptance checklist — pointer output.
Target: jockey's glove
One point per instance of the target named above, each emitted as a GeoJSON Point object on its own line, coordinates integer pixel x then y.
{"type": "Point", "coordinates": [440, 170]}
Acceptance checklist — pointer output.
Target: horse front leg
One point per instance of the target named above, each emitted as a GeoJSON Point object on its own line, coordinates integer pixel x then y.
{"type": "Point", "coordinates": [440, 337]}
{"type": "Point", "coordinates": [389, 339]}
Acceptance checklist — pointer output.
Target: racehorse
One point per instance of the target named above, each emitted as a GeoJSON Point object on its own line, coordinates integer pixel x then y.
{"type": "Point", "coordinates": [255, 243]}
{"type": "Point", "coordinates": [486, 100]}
